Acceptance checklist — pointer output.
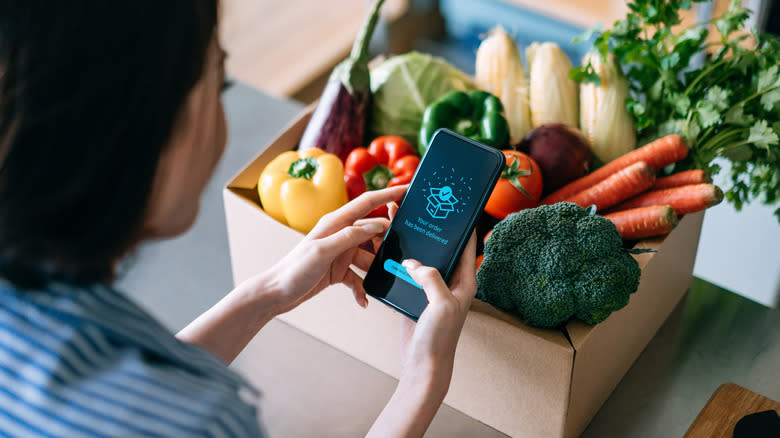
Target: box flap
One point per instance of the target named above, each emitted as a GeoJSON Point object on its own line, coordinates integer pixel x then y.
{"type": "Point", "coordinates": [579, 331]}
{"type": "Point", "coordinates": [557, 337]}
{"type": "Point", "coordinates": [290, 135]}
{"type": "Point", "coordinates": [605, 352]}
{"type": "Point", "coordinates": [523, 389]}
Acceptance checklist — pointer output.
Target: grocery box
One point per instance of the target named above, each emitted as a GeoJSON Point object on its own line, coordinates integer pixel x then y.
{"type": "Point", "coordinates": [521, 380]}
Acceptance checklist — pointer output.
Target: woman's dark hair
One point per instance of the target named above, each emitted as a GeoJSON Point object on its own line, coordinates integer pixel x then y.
{"type": "Point", "coordinates": [90, 92]}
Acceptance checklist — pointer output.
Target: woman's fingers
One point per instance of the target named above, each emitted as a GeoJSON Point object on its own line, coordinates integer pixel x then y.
{"type": "Point", "coordinates": [429, 278]}
{"type": "Point", "coordinates": [355, 209]}
{"type": "Point", "coordinates": [348, 238]}
{"type": "Point", "coordinates": [377, 242]}
{"type": "Point", "coordinates": [392, 208]}
{"type": "Point", "coordinates": [356, 284]}
{"type": "Point", "coordinates": [385, 222]}
{"type": "Point", "coordinates": [465, 286]}
{"type": "Point", "coordinates": [362, 259]}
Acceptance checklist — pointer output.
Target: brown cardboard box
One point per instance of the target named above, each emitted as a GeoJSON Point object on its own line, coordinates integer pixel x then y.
{"type": "Point", "coordinates": [520, 380]}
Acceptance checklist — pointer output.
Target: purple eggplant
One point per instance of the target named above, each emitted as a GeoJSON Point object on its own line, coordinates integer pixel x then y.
{"type": "Point", "coordinates": [338, 123]}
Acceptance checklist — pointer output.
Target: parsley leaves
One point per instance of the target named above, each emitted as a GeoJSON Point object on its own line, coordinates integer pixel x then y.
{"type": "Point", "coordinates": [721, 93]}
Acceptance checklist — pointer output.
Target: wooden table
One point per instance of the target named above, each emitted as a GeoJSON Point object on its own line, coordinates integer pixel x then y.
{"type": "Point", "coordinates": [728, 405]}
{"type": "Point", "coordinates": [287, 48]}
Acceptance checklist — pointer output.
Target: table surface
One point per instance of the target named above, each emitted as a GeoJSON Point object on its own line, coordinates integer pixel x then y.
{"type": "Point", "coordinates": [312, 389]}
{"type": "Point", "coordinates": [260, 36]}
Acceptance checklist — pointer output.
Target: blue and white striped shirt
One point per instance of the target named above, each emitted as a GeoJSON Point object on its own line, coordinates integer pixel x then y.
{"type": "Point", "coordinates": [87, 362]}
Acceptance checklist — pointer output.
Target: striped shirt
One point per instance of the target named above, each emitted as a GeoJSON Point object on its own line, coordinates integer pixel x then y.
{"type": "Point", "coordinates": [87, 362]}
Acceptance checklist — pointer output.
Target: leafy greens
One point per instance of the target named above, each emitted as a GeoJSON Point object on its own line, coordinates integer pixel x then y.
{"type": "Point", "coordinates": [728, 107]}
{"type": "Point", "coordinates": [403, 86]}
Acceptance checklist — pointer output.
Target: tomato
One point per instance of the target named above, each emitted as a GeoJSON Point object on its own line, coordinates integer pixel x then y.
{"type": "Point", "coordinates": [519, 187]}
{"type": "Point", "coordinates": [487, 236]}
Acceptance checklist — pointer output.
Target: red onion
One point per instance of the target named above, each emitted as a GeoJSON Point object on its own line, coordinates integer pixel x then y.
{"type": "Point", "coordinates": [561, 151]}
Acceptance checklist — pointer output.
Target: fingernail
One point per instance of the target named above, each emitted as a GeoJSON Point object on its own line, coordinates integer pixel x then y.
{"type": "Point", "coordinates": [364, 302]}
{"type": "Point", "coordinates": [372, 228]}
{"type": "Point", "coordinates": [410, 264]}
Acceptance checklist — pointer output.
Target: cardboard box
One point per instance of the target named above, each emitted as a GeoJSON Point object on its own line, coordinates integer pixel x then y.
{"type": "Point", "coordinates": [520, 380]}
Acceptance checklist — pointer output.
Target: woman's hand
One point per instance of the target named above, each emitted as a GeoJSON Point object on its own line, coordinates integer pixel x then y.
{"type": "Point", "coordinates": [324, 256]}
{"type": "Point", "coordinates": [321, 259]}
{"type": "Point", "coordinates": [428, 347]}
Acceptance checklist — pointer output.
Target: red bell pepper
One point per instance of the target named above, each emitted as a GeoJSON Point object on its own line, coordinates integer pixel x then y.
{"type": "Point", "coordinates": [388, 161]}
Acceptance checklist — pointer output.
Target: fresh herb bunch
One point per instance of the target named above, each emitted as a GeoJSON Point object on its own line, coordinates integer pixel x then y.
{"type": "Point", "coordinates": [727, 107]}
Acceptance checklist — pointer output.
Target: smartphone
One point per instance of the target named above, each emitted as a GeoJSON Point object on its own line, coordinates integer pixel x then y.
{"type": "Point", "coordinates": [435, 219]}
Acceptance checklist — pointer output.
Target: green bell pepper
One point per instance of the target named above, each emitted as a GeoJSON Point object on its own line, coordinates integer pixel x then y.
{"type": "Point", "coordinates": [476, 114]}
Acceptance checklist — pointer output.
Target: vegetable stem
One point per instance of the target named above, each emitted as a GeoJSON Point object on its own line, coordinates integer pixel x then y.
{"type": "Point", "coordinates": [707, 132]}
{"type": "Point", "coordinates": [360, 47]}
{"type": "Point", "coordinates": [724, 137]}
{"type": "Point", "coordinates": [732, 146]}
{"type": "Point", "coordinates": [756, 94]}
{"type": "Point", "coordinates": [303, 168]}
{"type": "Point", "coordinates": [702, 75]}
{"type": "Point", "coordinates": [688, 123]}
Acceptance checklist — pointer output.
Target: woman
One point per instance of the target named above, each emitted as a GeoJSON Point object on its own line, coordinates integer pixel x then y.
{"type": "Point", "coordinates": [110, 127]}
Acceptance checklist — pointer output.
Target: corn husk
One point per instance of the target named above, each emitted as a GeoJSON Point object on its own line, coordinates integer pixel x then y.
{"type": "Point", "coordinates": [530, 51]}
{"type": "Point", "coordinates": [499, 70]}
{"type": "Point", "coordinates": [553, 96]}
{"type": "Point", "coordinates": [604, 119]}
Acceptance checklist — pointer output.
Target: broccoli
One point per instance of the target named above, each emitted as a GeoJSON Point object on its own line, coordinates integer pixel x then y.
{"type": "Point", "coordinates": [550, 263]}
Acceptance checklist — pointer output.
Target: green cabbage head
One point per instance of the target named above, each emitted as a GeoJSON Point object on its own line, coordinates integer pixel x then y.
{"type": "Point", "coordinates": [403, 86]}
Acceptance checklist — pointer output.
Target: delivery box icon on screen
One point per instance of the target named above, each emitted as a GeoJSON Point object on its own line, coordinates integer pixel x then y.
{"type": "Point", "coordinates": [441, 202]}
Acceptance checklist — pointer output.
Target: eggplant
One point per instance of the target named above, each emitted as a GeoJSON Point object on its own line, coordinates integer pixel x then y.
{"type": "Point", "coordinates": [338, 123]}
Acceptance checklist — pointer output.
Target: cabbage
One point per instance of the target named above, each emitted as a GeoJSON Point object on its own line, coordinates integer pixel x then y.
{"type": "Point", "coordinates": [403, 86]}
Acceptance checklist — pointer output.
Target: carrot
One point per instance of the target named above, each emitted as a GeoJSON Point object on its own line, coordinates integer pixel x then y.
{"type": "Point", "coordinates": [683, 178]}
{"type": "Point", "coordinates": [480, 259]}
{"type": "Point", "coordinates": [658, 154]}
{"type": "Point", "coordinates": [620, 186]}
{"type": "Point", "coordinates": [638, 223]}
{"type": "Point", "coordinates": [683, 199]}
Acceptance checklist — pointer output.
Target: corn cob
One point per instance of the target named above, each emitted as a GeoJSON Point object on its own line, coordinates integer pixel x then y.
{"type": "Point", "coordinates": [553, 95]}
{"type": "Point", "coordinates": [499, 70]}
{"type": "Point", "coordinates": [604, 119]}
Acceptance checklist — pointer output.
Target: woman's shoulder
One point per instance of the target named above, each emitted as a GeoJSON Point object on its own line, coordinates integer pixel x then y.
{"type": "Point", "coordinates": [87, 361]}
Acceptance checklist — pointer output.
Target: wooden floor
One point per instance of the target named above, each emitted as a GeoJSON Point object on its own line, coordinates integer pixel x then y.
{"type": "Point", "coordinates": [280, 46]}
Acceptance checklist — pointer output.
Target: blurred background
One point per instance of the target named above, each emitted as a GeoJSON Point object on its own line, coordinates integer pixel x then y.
{"type": "Point", "coordinates": [287, 48]}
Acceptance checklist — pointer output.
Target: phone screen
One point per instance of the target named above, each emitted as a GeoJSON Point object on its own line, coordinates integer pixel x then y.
{"type": "Point", "coordinates": [435, 218]}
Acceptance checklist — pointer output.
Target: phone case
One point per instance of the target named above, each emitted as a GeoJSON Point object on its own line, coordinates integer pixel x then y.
{"type": "Point", "coordinates": [395, 268]}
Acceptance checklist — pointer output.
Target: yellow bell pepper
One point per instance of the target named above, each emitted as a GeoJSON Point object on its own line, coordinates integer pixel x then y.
{"type": "Point", "coordinates": [297, 188]}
